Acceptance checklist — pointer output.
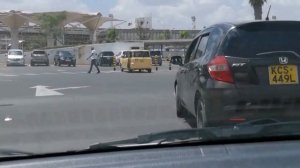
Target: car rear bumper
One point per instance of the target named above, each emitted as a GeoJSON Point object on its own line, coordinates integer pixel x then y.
{"type": "Point", "coordinates": [238, 104]}
{"type": "Point", "coordinates": [15, 62]}
{"type": "Point", "coordinates": [67, 62]}
{"type": "Point", "coordinates": [40, 61]}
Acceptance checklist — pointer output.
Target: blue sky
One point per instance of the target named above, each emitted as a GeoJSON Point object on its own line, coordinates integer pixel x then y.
{"type": "Point", "coordinates": [166, 14]}
{"type": "Point", "coordinates": [102, 6]}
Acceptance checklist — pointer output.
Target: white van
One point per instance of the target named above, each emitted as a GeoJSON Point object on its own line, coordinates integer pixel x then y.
{"type": "Point", "coordinates": [15, 57]}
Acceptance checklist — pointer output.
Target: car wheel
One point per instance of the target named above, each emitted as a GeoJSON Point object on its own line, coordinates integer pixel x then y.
{"type": "Point", "coordinates": [59, 64]}
{"type": "Point", "coordinates": [180, 111]}
{"type": "Point", "coordinates": [149, 70]}
{"type": "Point", "coordinates": [200, 111]}
{"type": "Point", "coordinates": [140, 70]}
{"type": "Point", "coordinates": [122, 69]}
{"type": "Point", "coordinates": [69, 65]}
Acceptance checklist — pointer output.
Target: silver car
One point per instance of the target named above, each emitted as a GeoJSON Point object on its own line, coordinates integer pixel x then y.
{"type": "Point", "coordinates": [15, 57]}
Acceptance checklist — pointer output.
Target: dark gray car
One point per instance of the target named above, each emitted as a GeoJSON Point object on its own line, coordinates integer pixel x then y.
{"type": "Point", "coordinates": [64, 58]}
{"type": "Point", "coordinates": [238, 72]}
{"type": "Point", "coordinates": [39, 57]}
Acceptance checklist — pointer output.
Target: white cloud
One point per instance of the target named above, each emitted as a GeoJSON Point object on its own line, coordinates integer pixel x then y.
{"type": "Point", "coordinates": [166, 13]}
{"type": "Point", "coordinates": [43, 5]}
{"type": "Point", "coordinates": [177, 14]}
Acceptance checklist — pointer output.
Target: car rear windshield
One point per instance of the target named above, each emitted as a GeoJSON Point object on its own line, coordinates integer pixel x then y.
{"type": "Point", "coordinates": [65, 53]}
{"type": "Point", "coordinates": [249, 41]}
{"type": "Point", "coordinates": [153, 53]}
{"type": "Point", "coordinates": [39, 52]}
{"type": "Point", "coordinates": [15, 53]}
{"type": "Point", "coordinates": [108, 53]}
{"type": "Point", "coordinates": [141, 54]}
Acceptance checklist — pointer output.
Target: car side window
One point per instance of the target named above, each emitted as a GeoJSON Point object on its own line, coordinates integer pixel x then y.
{"type": "Point", "coordinates": [190, 51]}
{"type": "Point", "coordinates": [202, 46]}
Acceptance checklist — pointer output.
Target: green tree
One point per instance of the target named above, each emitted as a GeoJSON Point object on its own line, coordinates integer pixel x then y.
{"type": "Point", "coordinates": [257, 7]}
{"type": "Point", "coordinates": [112, 35]}
{"type": "Point", "coordinates": [51, 25]}
{"type": "Point", "coordinates": [184, 34]}
{"type": "Point", "coordinates": [165, 35]}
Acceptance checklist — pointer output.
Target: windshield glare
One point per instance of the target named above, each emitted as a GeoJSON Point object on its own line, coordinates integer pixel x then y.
{"type": "Point", "coordinates": [77, 73]}
{"type": "Point", "coordinates": [15, 53]}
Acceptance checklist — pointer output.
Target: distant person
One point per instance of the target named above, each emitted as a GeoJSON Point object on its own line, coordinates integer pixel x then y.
{"type": "Point", "coordinates": [93, 58]}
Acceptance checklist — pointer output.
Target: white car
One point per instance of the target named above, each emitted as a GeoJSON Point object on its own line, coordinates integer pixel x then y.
{"type": "Point", "coordinates": [15, 57]}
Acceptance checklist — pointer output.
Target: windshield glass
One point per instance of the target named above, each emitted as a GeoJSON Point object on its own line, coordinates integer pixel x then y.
{"type": "Point", "coordinates": [247, 43]}
{"type": "Point", "coordinates": [185, 71]}
{"type": "Point", "coordinates": [39, 52]}
{"type": "Point", "coordinates": [154, 53]}
{"type": "Point", "coordinates": [15, 53]}
{"type": "Point", "coordinates": [140, 53]}
{"type": "Point", "coordinates": [107, 53]}
{"type": "Point", "coordinates": [65, 53]}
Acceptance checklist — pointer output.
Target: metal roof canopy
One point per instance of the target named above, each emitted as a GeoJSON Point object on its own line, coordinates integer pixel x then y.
{"type": "Point", "coordinates": [15, 19]}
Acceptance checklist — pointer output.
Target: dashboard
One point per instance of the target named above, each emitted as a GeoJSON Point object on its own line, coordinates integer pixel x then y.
{"type": "Point", "coordinates": [260, 154]}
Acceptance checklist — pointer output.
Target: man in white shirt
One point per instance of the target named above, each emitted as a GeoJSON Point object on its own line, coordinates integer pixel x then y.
{"type": "Point", "coordinates": [93, 58]}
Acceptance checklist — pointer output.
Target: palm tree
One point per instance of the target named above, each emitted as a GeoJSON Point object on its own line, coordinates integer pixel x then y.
{"type": "Point", "coordinates": [257, 6]}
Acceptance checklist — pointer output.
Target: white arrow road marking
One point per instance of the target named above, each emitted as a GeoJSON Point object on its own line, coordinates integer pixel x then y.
{"type": "Point", "coordinates": [44, 91]}
{"type": "Point", "coordinates": [75, 87]}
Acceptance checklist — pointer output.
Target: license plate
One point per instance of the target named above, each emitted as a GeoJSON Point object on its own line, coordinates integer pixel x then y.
{"type": "Point", "coordinates": [283, 74]}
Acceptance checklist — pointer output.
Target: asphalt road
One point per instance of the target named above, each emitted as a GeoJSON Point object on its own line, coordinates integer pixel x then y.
{"type": "Point", "coordinates": [53, 109]}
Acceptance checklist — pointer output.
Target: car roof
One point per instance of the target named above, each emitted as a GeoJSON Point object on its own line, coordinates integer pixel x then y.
{"type": "Point", "coordinates": [38, 50]}
{"type": "Point", "coordinates": [15, 50]}
{"type": "Point", "coordinates": [248, 23]}
{"type": "Point", "coordinates": [138, 50]}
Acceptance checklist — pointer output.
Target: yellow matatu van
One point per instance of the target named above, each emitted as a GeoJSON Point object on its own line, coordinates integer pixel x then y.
{"type": "Point", "coordinates": [136, 60]}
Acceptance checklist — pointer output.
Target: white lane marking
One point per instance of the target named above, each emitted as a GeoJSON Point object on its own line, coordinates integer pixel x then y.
{"type": "Point", "coordinates": [68, 72]}
{"type": "Point", "coordinates": [7, 119]}
{"type": "Point", "coordinates": [44, 91]}
{"type": "Point", "coordinates": [31, 74]}
{"type": "Point", "coordinates": [61, 70]}
{"type": "Point", "coordinates": [7, 75]}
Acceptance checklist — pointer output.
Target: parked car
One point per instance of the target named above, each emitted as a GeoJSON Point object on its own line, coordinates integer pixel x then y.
{"type": "Point", "coordinates": [39, 57]}
{"type": "Point", "coordinates": [156, 57]}
{"type": "Point", "coordinates": [235, 72]}
{"type": "Point", "coordinates": [15, 57]}
{"type": "Point", "coordinates": [106, 58]}
{"type": "Point", "coordinates": [64, 58]}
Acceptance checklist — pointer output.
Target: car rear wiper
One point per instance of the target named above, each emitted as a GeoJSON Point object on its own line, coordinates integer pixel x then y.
{"type": "Point", "coordinates": [154, 139]}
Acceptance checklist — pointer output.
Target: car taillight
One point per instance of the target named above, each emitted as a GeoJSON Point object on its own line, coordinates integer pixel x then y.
{"type": "Point", "coordinates": [218, 69]}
